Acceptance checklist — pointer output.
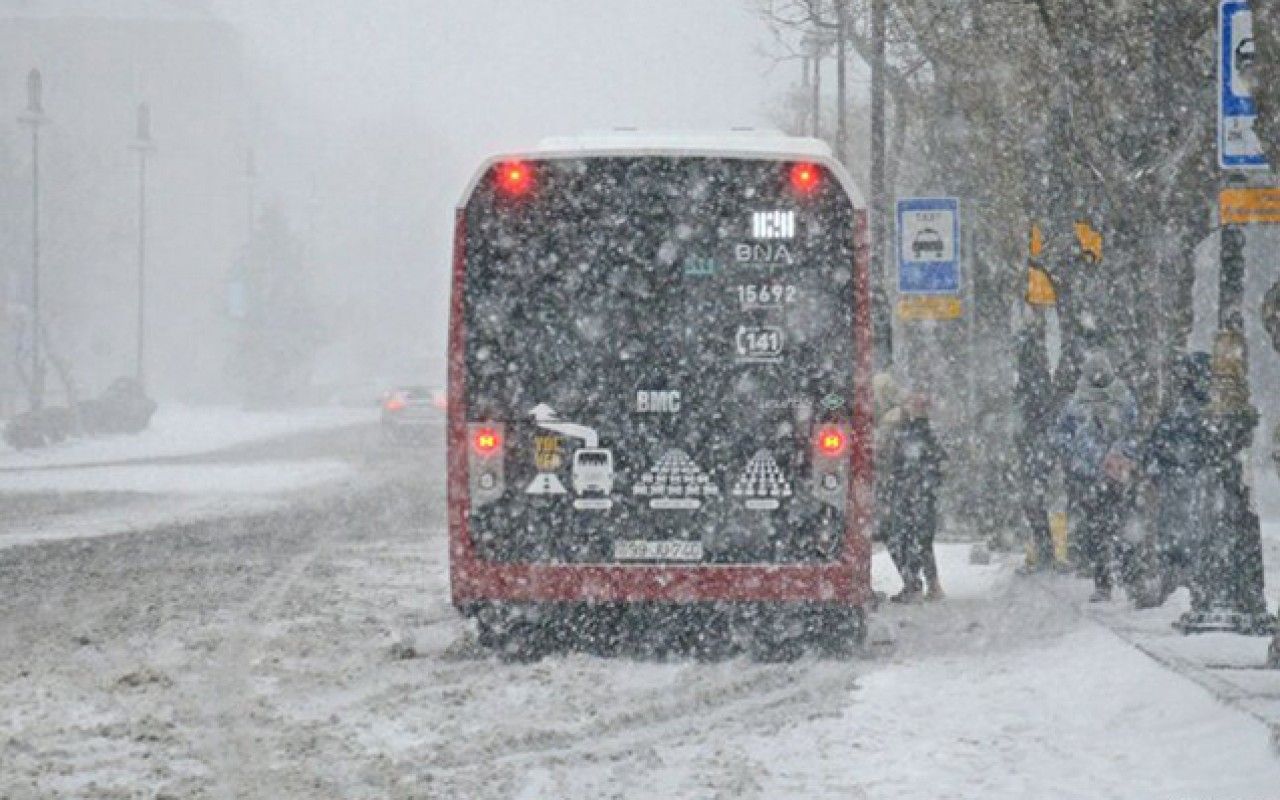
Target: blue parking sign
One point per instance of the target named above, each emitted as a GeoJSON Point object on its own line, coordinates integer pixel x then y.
{"type": "Point", "coordinates": [1238, 145]}
{"type": "Point", "coordinates": [929, 245]}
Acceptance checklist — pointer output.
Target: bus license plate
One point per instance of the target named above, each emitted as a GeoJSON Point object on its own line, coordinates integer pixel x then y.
{"type": "Point", "coordinates": [634, 550]}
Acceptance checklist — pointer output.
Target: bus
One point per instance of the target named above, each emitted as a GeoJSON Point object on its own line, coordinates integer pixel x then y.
{"type": "Point", "coordinates": [659, 415]}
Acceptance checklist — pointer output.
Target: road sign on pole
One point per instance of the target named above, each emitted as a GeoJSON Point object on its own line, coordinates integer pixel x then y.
{"type": "Point", "coordinates": [1249, 205]}
{"type": "Point", "coordinates": [1238, 145]}
{"type": "Point", "coordinates": [929, 246]}
{"type": "Point", "coordinates": [921, 308]}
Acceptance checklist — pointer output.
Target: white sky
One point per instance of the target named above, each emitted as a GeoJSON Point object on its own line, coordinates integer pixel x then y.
{"type": "Point", "coordinates": [376, 112]}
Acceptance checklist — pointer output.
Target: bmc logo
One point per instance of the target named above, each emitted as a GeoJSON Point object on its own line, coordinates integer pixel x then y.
{"type": "Point", "coordinates": [661, 402]}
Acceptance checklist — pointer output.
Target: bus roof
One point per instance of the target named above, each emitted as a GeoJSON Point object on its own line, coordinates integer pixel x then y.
{"type": "Point", "coordinates": [744, 144]}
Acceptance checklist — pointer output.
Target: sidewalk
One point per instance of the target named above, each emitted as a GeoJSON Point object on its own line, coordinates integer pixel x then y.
{"type": "Point", "coordinates": [1228, 666]}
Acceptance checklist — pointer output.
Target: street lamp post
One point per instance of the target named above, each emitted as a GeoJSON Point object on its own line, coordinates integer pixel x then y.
{"type": "Point", "coordinates": [33, 118]}
{"type": "Point", "coordinates": [813, 46]}
{"type": "Point", "coordinates": [144, 147]}
{"type": "Point", "coordinates": [881, 321]}
{"type": "Point", "coordinates": [1228, 591]}
{"type": "Point", "coordinates": [842, 91]}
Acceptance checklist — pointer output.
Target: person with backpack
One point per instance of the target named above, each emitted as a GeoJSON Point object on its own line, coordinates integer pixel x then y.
{"type": "Point", "coordinates": [1095, 438]}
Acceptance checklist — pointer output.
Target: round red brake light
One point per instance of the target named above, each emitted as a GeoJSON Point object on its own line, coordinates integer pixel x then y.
{"type": "Point", "coordinates": [487, 441]}
{"type": "Point", "coordinates": [831, 441]}
{"type": "Point", "coordinates": [514, 177]}
{"type": "Point", "coordinates": [805, 178]}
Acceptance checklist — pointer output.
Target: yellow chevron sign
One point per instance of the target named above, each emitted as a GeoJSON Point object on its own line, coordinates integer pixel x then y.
{"type": "Point", "coordinates": [1040, 290]}
{"type": "Point", "coordinates": [1037, 241]}
{"type": "Point", "coordinates": [1090, 241]}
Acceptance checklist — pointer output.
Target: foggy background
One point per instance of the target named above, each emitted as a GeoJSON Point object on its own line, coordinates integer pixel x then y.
{"type": "Point", "coordinates": [356, 124]}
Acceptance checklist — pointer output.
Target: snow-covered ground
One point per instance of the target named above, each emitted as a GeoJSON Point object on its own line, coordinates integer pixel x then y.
{"type": "Point", "coordinates": [259, 477]}
{"type": "Point", "coordinates": [269, 661]}
{"type": "Point", "coordinates": [310, 651]}
{"type": "Point", "coordinates": [182, 431]}
{"type": "Point", "coordinates": [188, 466]}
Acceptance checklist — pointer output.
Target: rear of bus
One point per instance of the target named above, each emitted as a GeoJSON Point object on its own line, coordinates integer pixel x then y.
{"type": "Point", "coordinates": [659, 386]}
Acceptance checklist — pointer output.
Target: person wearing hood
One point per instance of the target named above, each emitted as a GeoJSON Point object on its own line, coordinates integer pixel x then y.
{"type": "Point", "coordinates": [914, 480]}
{"type": "Point", "coordinates": [1095, 438]}
{"type": "Point", "coordinates": [1178, 459]}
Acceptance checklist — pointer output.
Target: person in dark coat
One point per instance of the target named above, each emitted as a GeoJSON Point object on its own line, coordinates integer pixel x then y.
{"type": "Point", "coordinates": [1178, 459]}
{"type": "Point", "coordinates": [1095, 437]}
{"type": "Point", "coordinates": [889, 414]}
{"type": "Point", "coordinates": [915, 476]}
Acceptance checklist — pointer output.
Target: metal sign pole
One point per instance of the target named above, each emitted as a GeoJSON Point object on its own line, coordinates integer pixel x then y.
{"type": "Point", "coordinates": [1230, 591]}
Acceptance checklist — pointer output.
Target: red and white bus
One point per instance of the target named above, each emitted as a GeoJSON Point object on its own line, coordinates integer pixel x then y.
{"type": "Point", "coordinates": [659, 394]}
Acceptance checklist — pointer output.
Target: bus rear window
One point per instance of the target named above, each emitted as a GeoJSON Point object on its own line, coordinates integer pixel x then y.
{"type": "Point", "coordinates": [660, 336]}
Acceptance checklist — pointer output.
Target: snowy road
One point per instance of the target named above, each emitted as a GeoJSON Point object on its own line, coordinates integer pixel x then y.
{"type": "Point", "coordinates": [263, 655]}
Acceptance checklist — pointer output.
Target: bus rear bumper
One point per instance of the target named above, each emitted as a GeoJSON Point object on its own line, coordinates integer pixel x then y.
{"type": "Point", "coordinates": [477, 582]}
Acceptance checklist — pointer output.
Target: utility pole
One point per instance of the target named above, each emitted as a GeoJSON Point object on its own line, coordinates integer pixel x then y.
{"type": "Point", "coordinates": [842, 97]}
{"type": "Point", "coordinates": [34, 118]}
{"type": "Point", "coordinates": [251, 183]}
{"type": "Point", "coordinates": [145, 147]}
{"type": "Point", "coordinates": [802, 112]}
{"type": "Point", "coordinates": [881, 324]}
{"type": "Point", "coordinates": [813, 44]}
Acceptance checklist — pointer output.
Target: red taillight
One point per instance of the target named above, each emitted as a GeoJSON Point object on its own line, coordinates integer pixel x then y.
{"type": "Point", "coordinates": [514, 177]}
{"type": "Point", "coordinates": [487, 441]}
{"type": "Point", "coordinates": [394, 404]}
{"type": "Point", "coordinates": [805, 178]}
{"type": "Point", "coordinates": [831, 441]}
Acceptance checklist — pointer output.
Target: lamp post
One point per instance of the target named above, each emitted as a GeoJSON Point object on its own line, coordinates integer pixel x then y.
{"type": "Point", "coordinates": [813, 45]}
{"type": "Point", "coordinates": [842, 91]}
{"type": "Point", "coordinates": [33, 118]}
{"type": "Point", "coordinates": [251, 183]}
{"type": "Point", "coordinates": [881, 321]}
{"type": "Point", "coordinates": [1228, 593]}
{"type": "Point", "coordinates": [144, 147]}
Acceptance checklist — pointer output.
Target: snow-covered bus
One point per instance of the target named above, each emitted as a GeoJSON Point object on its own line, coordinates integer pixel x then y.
{"type": "Point", "coordinates": [659, 393]}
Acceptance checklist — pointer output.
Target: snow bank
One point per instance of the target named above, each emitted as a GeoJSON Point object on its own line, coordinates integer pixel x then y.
{"type": "Point", "coordinates": [259, 477]}
{"type": "Point", "coordinates": [185, 430]}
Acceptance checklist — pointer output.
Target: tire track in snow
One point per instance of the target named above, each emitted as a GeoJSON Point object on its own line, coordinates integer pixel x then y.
{"type": "Point", "coordinates": [231, 709]}
{"type": "Point", "coordinates": [773, 694]}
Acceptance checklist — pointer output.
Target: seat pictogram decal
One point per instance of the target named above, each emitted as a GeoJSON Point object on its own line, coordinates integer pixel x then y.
{"type": "Point", "coordinates": [762, 484]}
{"type": "Point", "coordinates": [676, 483]}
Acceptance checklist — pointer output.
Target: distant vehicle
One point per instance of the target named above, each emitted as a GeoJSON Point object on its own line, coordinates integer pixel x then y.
{"type": "Point", "coordinates": [554, 329]}
{"type": "Point", "coordinates": [930, 241]}
{"type": "Point", "coordinates": [411, 413]}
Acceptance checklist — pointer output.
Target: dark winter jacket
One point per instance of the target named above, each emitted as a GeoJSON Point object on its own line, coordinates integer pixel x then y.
{"type": "Point", "coordinates": [1178, 459]}
{"type": "Point", "coordinates": [1184, 441]}
{"type": "Point", "coordinates": [915, 476]}
{"type": "Point", "coordinates": [1182, 444]}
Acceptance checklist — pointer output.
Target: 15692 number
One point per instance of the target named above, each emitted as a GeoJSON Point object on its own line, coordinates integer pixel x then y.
{"type": "Point", "coordinates": [766, 294]}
